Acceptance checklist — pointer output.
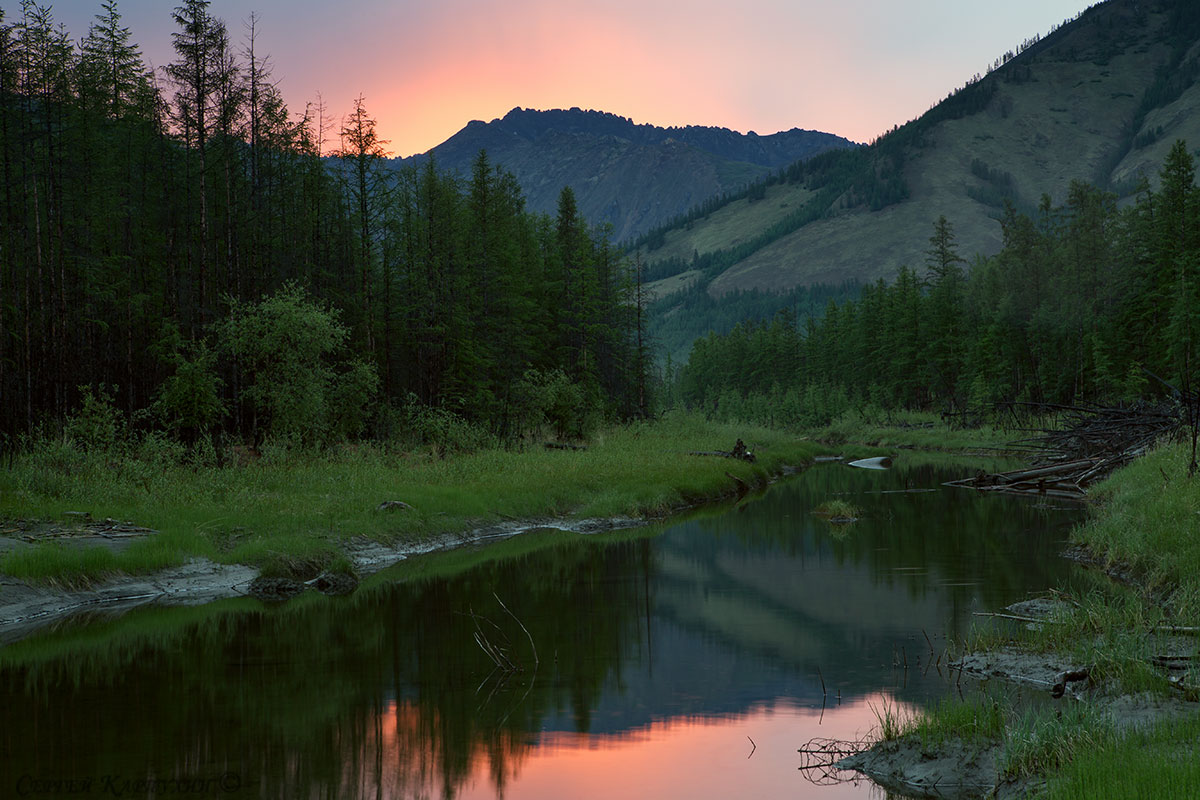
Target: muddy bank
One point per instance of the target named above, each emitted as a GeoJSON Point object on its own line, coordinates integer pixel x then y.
{"type": "Point", "coordinates": [958, 769]}
{"type": "Point", "coordinates": [955, 770]}
{"type": "Point", "coordinates": [26, 608]}
{"type": "Point", "coordinates": [965, 771]}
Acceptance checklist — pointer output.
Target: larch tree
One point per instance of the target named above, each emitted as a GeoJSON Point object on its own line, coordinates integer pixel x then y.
{"type": "Point", "coordinates": [199, 43]}
{"type": "Point", "coordinates": [361, 155]}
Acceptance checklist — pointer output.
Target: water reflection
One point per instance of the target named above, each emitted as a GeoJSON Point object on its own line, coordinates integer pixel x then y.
{"type": "Point", "coordinates": [649, 663]}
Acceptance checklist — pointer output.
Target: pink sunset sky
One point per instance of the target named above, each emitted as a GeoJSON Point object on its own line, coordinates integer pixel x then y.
{"type": "Point", "coordinates": [850, 67]}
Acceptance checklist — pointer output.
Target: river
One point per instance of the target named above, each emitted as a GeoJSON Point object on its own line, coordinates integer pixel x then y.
{"type": "Point", "coordinates": [690, 659]}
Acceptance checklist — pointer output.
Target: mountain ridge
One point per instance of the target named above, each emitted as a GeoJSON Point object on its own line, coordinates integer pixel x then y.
{"type": "Point", "coordinates": [631, 176]}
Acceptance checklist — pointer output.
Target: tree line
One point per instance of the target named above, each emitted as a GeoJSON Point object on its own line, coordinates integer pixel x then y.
{"type": "Point", "coordinates": [1086, 302]}
{"type": "Point", "coordinates": [181, 247]}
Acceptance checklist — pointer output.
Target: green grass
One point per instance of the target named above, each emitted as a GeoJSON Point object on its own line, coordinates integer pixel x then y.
{"type": "Point", "coordinates": [1036, 742]}
{"type": "Point", "coordinates": [1155, 763]}
{"type": "Point", "coordinates": [912, 429]}
{"type": "Point", "coordinates": [1043, 741]}
{"type": "Point", "coordinates": [69, 567]}
{"type": "Point", "coordinates": [298, 508]}
{"type": "Point", "coordinates": [1150, 519]}
{"type": "Point", "coordinates": [976, 721]}
{"type": "Point", "coordinates": [1112, 629]}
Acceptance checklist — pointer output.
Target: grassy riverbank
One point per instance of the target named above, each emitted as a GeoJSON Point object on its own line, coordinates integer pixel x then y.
{"type": "Point", "coordinates": [915, 430]}
{"type": "Point", "coordinates": [1145, 529]}
{"type": "Point", "coordinates": [296, 509]}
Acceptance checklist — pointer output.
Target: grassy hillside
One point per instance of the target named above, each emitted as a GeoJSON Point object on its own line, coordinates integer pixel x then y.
{"type": "Point", "coordinates": [1099, 100]}
{"type": "Point", "coordinates": [729, 225]}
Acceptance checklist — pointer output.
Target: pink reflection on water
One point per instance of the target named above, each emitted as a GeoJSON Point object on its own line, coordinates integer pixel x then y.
{"type": "Point", "coordinates": [752, 755]}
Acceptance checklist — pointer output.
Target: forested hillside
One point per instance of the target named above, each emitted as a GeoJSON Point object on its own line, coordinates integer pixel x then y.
{"type": "Point", "coordinates": [176, 250]}
{"type": "Point", "coordinates": [1084, 303]}
{"type": "Point", "coordinates": [1100, 99]}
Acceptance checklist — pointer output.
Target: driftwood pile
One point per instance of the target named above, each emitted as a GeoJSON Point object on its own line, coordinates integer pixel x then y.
{"type": "Point", "coordinates": [1091, 443]}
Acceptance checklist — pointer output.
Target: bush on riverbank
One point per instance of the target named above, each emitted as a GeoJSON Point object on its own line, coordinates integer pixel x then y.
{"type": "Point", "coordinates": [305, 504]}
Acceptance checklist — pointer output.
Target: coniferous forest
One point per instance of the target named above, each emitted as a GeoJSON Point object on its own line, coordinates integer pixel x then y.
{"type": "Point", "coordinates": [182, 249]}
{"type": "Point", "coordinates": [1085, 303]}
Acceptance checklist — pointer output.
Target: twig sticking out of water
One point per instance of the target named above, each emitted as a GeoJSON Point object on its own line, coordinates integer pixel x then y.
{"type": "Point", "coordinates": [819, 759]}
{"type": "Point", "coordinates": [498, 655]}
{"type": "Point", "coordinates": [532, 647]}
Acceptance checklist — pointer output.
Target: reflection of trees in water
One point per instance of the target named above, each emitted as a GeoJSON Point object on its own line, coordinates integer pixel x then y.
{"type": "Point", "coordinates": [327, 698]}
{"type": "Point", "coordinates": [954, 535]}
{"type": "Point", "coordinates": [772, 577]}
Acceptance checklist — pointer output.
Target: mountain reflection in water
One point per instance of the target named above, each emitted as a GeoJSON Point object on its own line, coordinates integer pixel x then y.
{"type": "Point", "coordinates": [691, 660]}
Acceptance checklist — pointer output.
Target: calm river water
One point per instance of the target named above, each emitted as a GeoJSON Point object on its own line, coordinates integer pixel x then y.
{"type": "Point", "coordinates": [691, 660]}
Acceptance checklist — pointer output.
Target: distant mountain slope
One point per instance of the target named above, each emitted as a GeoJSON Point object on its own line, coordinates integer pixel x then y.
{"type": "Point", "coordinates": [1100, 100]}
{"type": "Point", "coordinates": [635, 177]}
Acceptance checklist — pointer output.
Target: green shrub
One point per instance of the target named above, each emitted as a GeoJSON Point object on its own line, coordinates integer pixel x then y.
{"type": "Point", "coordinates": [97, 425]}
{"type": "Point", "coordinates": [288, 346]}
{"type": "Point", "coordinates": [189, 402]}
{"type": "Point", "coordinates": [551, 398]}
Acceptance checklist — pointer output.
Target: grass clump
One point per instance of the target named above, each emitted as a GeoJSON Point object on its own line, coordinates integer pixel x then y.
{"type": "Point", "coordinates": [892, 724]}
{"type": "Point", "coordinates": [976, 721]}
{"type": "Point", "coordinates": [838, 511]}
{"type": "Point", "coordinates": [1110, 629]}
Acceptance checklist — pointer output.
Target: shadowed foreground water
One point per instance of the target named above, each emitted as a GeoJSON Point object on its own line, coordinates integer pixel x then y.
{"type": "Point", "coordinates": [690, 660]}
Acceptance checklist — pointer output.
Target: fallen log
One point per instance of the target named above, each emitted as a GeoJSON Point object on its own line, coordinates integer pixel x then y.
{"type": "Point", "coordinates": [998, 483]}
{"type": "Point", "coordinates": [1043, 472]}
{"type": "Point", "coordinates": [739, 452]}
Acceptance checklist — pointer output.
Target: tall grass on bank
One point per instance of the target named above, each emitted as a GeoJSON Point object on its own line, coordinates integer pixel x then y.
{"type": "Point", "coordinates": [1150, 520]}
{"type": "Point", "coordinates": [303, 505]}
{"type": "Point", "coordinates": [1156, 763]}
{"type": "Point", "coordinates": [1045, 740]}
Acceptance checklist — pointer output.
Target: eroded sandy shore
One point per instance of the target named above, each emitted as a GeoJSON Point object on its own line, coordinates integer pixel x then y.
{"type": "Point", "coordinates": [26, 608]}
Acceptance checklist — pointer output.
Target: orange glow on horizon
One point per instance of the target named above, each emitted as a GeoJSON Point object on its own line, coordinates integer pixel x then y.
{"type": "Point", "coordinates": [854, 68]}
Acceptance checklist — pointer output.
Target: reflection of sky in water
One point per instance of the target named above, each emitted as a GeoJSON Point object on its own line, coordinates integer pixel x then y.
{"type": "Point", "coordinates": [752, 755]}
{"type": "Point", "coordinates": [748, 755]}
